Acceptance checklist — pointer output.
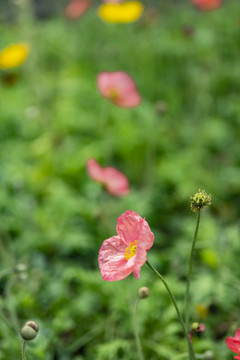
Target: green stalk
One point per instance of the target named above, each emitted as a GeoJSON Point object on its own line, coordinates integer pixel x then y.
{"type": "Point", "coordinates": [190, 347]}
{"type": "Point", "coordinates": [136, 333]}
{"type": "Point", "coordinates": [23, 350]}
{"type": "Point", "coordinates": [190, 272]}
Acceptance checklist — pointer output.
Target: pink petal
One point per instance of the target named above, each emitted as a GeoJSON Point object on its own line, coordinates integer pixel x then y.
{"type": "Point", "coordinates": [237, 357]}
{"type": "Point", "coordinates": [140, 259]}
{"type": "Point", "coordinates": [76, 8]}
{"type": "Point", "coordinates": [95, 171]}
{"type": "Point", "coordinates": [116, 182]}
{"type": "Point", "coordinates": [112, 263]}
{"type": "Point", "coordinates": [237, 334]}
{"type": "Point", "coordinates": [131, 227]}
{"type": "Point", "coordinates": [118, 87]}
{"type": "Point", "coordinates": [233, 344]}
{"type": "Point", "coordinates": [207, 5]}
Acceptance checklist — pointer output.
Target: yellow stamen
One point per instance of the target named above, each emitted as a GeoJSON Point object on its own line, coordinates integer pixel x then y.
{"type": "Point", "coordinates": [131, 250]}
{"type": "Point", "coordinates": [113, 94]}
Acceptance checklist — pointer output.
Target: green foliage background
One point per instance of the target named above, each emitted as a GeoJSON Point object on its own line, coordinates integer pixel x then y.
{"type": "Point", "coordinates": [53, 218]}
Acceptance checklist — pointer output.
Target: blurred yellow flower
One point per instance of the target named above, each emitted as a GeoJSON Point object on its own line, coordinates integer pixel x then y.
{"type": "Point", "coordinates": [202, 310]}
{"type": "Point", "coordinates": [13, 55]}
{"type": "Point", "coordinates": [121, 13]}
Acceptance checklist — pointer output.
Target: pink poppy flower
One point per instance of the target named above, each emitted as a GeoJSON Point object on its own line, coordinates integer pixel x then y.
{"type": "Point", "coordinates": [125, 253]}
{"type": "Point", "coordinates": [76, 8]}
{"type": "Point", "coordinates": [207, 5]}
{"type": "Point", "coordinates": [115, 181]}
{"type": "Point", "coordinates": [119, 88]}
{"type": "Point", "coordinates": [234, 343]}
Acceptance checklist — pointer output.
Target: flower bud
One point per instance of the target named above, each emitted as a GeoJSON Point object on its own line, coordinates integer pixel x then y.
{"type": "Point", "coordinates": [29, 330]}
{"type": "Point", "coordinates": [199, 200]}
{"type": "Point", "coordinates": [33, 325]}
{"type": "Point", "coordinates": [143, 292]}
{"type": "Point", "coordinates": [195, 326]}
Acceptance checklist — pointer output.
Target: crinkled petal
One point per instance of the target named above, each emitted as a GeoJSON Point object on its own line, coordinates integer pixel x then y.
{"type": "Point", "coordinates": [112, 263]}
{"type": "Point", "coordinates": [131, 227]}
{"type": "Point", "coordinates": [233, 344]}
{"type": "Point", "coordinates": [116, 182]}
{"type": "Point", "coordinates": [140, 259]}
{"type": "Point", "coordinates": [76, 8]}
{"type": "Point", "coordinates": [95, 171]}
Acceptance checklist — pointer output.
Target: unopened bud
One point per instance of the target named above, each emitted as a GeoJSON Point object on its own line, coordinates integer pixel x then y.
{"type": "Point", "coordinates": [199, 200]}
{"type": "Point", "coordinates": [29, 330]}
{"type": "Point", "coordinates": [143, 292]}
{"type": "Point", "coordinates": [195, 326]}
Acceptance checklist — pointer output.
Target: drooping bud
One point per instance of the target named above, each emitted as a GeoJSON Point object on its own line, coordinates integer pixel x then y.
{"type": "Point", "coordinates": [199, 200]}
{"type": "Point", "coordinates": [29, 330]}
{"type": "Point", "coordinates": [143, 292]}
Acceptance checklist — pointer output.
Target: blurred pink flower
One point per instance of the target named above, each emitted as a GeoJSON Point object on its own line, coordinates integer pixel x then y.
{"type": "Point", "coordinates": [119, 88]}
{"type": "Point", "coordinates": [234, 343]}
{"type": "Point", "coordinates": [76, 8]}
{"type": "Point", "coordinates": [115, 181]}
{"type": "Point", "coordinates": [125, 253]}
{"type": "Point", "coordinates": [207, 5]}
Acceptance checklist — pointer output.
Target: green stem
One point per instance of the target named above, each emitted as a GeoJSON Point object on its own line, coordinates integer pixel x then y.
{"type": "Point", "coordinates": [23, 350]}
{"type": "Point", "coordinates": [190, 347]}
{"type": "Point", "coordinates": [10, 305]}
{"type": "Point", "coordinates": [190, 272]}
{"type": "Point", "coordinates": [6, 323]}
{"type": "Point", "coordinates": [136, 333]}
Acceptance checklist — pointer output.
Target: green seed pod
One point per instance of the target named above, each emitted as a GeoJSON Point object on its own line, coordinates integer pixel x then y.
{"type": "Point", "coordinates": [29, 330]}
{"type": "Point", "coordinates": [143, 292]}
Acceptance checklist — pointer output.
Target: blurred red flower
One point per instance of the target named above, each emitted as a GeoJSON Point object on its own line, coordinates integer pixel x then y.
{"type": "Point", "coordinates": [207, 5]}
{"type": "Point", "coordinates": [125, 253]}
{"type": "Point", "coordinates": [119, 88]}
{"type": "Point", "coordinates": [76, 8]}
{"type": "Point", "coordinates": [116, 182]}
{"type": "Point", "coordinates": [234, 343]}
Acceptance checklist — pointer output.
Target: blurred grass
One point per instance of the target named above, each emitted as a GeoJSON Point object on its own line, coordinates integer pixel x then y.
{"type": "Point", "coordinates": [54, 218]}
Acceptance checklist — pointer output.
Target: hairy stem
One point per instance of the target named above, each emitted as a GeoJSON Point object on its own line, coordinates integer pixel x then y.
{"type": "Point", "coordinates": [136, 332]}
{"type": "Point", "coordinates": [190, 347]}
{"type": "Point", "coordinates": [187, 315]}
{"type": "Point", "coordinates": [23, 350]}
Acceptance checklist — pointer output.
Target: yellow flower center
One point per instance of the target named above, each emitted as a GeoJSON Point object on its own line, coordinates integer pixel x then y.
{"type": "Point", "coordinates": [113, 94]}
{"type": "Point", "coordinates": [131, 250]}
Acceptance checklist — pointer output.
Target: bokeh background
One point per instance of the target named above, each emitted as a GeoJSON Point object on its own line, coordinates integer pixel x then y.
{"type": "Point", "coordinates": [183, 137]}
